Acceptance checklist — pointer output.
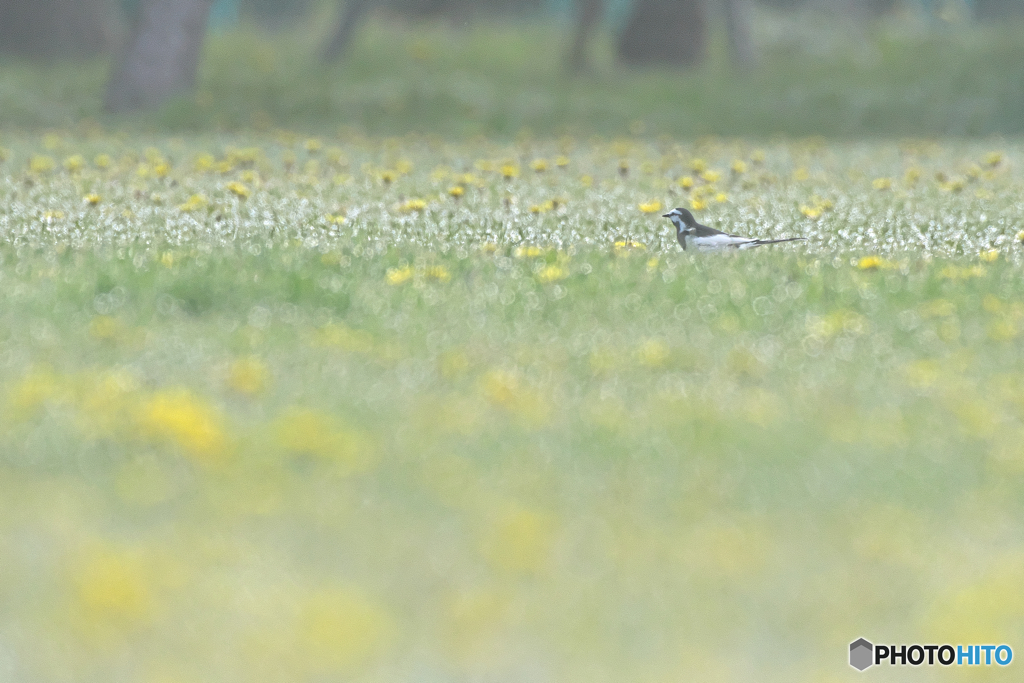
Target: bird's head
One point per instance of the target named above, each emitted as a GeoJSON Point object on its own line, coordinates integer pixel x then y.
{"type": "Point", "coordinates": [683, 220]}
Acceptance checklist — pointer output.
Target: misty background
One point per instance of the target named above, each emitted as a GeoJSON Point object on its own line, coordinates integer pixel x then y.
{"type": "Point", "coordinates": [457, 67]}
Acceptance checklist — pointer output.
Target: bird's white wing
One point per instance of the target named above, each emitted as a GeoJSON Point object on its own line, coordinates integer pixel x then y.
{"type": "Point", "coordinates": [721, 241]}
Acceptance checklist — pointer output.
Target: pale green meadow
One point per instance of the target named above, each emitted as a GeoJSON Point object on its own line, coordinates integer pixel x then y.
{"type": "Point", "coordinates": [406, 409]}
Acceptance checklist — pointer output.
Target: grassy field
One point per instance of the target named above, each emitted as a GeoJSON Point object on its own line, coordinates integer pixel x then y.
{"type": "Point", "coordinates": [279, 409]}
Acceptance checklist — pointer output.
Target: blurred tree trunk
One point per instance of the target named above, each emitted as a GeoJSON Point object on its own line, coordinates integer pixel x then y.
{"type": "Point", "coordinates": [737, 26]}
{"type": "Point", "coordinates": [666, 32]}
{"type": "Point", "coordinates": [55, 29]}
{"type": "Point", "coordinates": [162, 54]}
{"type": "Point", "coordinates": [348, 20]}
{"type": "Point", "coordinates": [588, 16]}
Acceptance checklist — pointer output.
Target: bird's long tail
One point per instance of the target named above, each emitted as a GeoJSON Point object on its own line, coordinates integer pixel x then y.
{"type": "Point", "coordinates": [758, 243]}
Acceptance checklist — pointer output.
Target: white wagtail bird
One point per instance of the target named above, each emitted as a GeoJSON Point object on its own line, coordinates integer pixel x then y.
{"type": "Point", "coordinates": [709, 238]}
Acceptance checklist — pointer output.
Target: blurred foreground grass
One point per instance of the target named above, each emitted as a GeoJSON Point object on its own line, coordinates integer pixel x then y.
{"type": "Point", "coordinates": [817, 75]}
{"type": "Point", "coordinates": [280, 409]}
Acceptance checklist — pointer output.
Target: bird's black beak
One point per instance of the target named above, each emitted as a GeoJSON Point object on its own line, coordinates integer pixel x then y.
{"type": "Point", "coordinates": [667, 215]}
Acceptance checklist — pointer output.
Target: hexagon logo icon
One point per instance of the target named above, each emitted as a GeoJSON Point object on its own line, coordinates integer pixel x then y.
{"type": "Point", "coordinates": [861, 652]}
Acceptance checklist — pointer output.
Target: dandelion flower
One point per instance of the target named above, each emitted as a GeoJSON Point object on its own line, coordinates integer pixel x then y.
{"type": "Point", "coordinates": [439, 273]}
{"type": "Point", "coordinates": [993, 159]}
{"type": "Point", "coordinates": [239, 189]}
{"type": "Point", "coordinates": [412, 205]}
{"type": "Point", "coordinates": [873, 263]}
{"type": "Point", "coordinates": [40, 164]}
{"type": "Point", "coordinates": [551, 273]}
{"type": "Point", "coordinates": [248, 376]}
{"type": "Point", "coordinates": [528, 252]}
{"type": "Point", "coordinates": [989, 255]}
{"type": "Point", "coordinates": [456, 191]}
{"type": "Point", "coordinates": [882, 183]}
{"type": "Point", "coordinates": [74, 164]}
{"type": "Point", "coordinates": [102, 161]}
{"type": "Point", "coordinates": [539, 165]}
{"type": "Point", "coordinates": [561, 161]}
{"type": "Point", "coordinates": [92, 199]}
{"type": "Point", "coordinates": [398, 276]}
{"type": "Point", "coordinates": [194, 203]}
{"type": "Point", "coordinates": [686, 182]}
{"type": "Point", "coordinates": [651, 207]}
{"type": "Point", "coordinates": [509, 171]}
{"type": "Point", "coordinates": [739, 167]}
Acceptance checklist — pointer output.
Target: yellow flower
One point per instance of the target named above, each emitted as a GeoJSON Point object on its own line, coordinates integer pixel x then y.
{"type": "Point", "coordinates": [412, 205]}
{"type": "Point", "coordinates": [711, 176]}
{"type": "Point", "coordinates": [239, 189]}
{"type": "Point", "coordinates": [519, 541]}
{"type": "Point", "coordinates": [404, 166]}
{"type": "Point", "coordinates": [552, 273]}
{"type": "Point", "coordinates": [398, 276]}
{"type": "Point", "coordinates": [561, 161]}
{"type": "Point", "coordinates": [102, 161]}
{"type": "Point", "coordinates": [179, 417]}
{"type": "Point", "coordinates": [40, 164]}
{"type": "Point", "coordinates": [104, 328]}
{"type": "Point", "coordinates": [388, 176]}
{"type": "Point", "coordinates": [92, 199]}
{"type": "Point", "coordinates": [74, 164]}
{"type": "Point", "coordinates": [993, 159]}
{"type": "Point", "coordinates": [801, 174]}
{"type": "Point", "coordinates": [810, 212]}
{"type": "Point", "coordinates": [539, 165]}
{"type": "Point", "coordinates": [456, 191]}
{"type": "Point", "coordinates": [510, 171]}
{"type": "Point", "coordinates": [882, 183]}
{"type": "Point", "coordinates": [698, 165]}
{"type": "Point", "coordinates": [739, 166]}
{"type": "Point", "coordinates": [654, 353]}
{"type": "Point", "coordinates": [113, 590]}
{"type": "Point", "coordinates": [194, 203]}
{"type": "Point", "coordinates": [587, 180]}
{"type": "Point", "coordinates": [686, 182]}
{"type": "Point", "coordinates": [912, 175]}
{"type": "Point", "coordinates": [697, 204]}
{"type": "Point", "coordinates": [872, 263]}
{"type": "Point", "coordinates": [528, 252]}
{"type": "Point", "coordinates": [51, 216]}
{"type": "Point", "coordinates": [314, 145]}
{"type": "Point", "coordinates": [335, 218]}
{"type": "Point", "coordinates": [549, 205]}
{"type": "Point", "coordinates": [721, 198]}
{"type": "Point", "coordinates": [989, 255]}
{"type": "Point", "coordinates": [439, 273]}
{"type": "Point", "coordinates": [623, 246]}
{"type": "Point", "coordinates": [339, 632]}
{"type": "Point", "coordinates": [651, 207]}
{"type": "Point", "coordinates": [248, 376]}
{"type": "Point", "coordinates": [309, 432]}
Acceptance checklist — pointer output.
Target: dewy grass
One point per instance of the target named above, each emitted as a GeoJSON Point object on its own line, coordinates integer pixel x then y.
{"type": "Point", "coordinates": [289, 408]}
